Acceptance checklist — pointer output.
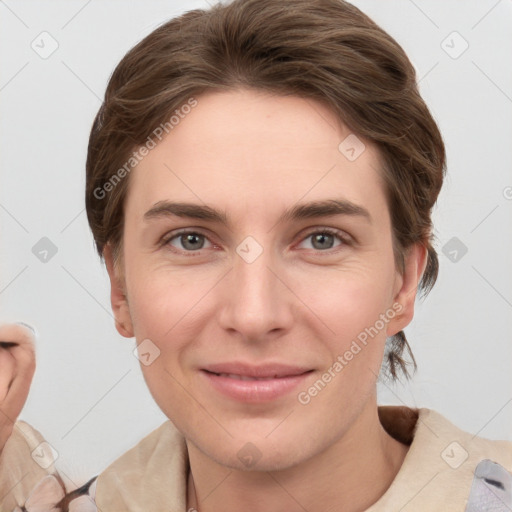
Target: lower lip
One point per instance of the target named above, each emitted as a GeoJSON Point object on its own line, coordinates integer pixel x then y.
{"type": "Point", "coordinates": [255, 391]}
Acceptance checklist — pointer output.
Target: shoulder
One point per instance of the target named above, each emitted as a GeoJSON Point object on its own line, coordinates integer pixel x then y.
{"type": "Point", "coordinates": [458, 447]}
{"type": "Point", "coordinates": [151, 473]}
{"type": "Point", "coordinates": [443, 464]}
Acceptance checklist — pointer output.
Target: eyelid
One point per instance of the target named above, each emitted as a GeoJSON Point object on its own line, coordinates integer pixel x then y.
{"type": "Point", "coordinates": [343, 235]}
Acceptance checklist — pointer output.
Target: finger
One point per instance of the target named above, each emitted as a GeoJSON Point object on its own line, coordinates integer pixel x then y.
{"type": "Point", "coordinates": [18, 341]}
{"type": "Point", "coordinates": [18, 336]}
{"type": "Point", "coordinates": [7, 370]}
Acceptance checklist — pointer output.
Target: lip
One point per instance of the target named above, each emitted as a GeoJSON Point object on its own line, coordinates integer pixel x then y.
{"type": "Point", "coordinates": [254, 384]}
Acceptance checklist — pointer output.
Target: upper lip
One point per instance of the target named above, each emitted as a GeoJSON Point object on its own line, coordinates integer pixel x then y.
{"type": "Point", "coordinates": [276, 370]}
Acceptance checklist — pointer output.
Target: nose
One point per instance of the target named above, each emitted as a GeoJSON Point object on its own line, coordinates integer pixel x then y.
{"type": "Point", "coordinates": [256, 302]}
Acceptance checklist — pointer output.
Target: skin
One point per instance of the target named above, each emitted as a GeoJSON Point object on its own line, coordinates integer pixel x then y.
{"type": "Point", "coordinates": [17, 367]}
{"type": "Point", "coordinates": [253, 155]}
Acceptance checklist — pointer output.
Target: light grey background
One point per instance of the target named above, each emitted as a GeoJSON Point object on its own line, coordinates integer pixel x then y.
{"type": "Point", "coordinates": [88, 397]}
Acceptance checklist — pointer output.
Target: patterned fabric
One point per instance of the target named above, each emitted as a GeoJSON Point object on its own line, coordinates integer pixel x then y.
{"type": "Point", "coordinates": [491, 490]}
{"type": "Point", "coordinates": [445, 469]}
{"type": "Point", "coordinates": [49, 495]}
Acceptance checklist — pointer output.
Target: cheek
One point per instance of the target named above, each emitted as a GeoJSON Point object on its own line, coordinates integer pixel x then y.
{"type": "Point", "coordinates": [346, 300]}
{"type": "Point", "coordinates": [162, 310]}
{"type": "Point", "coordinates": [354, 305]}
{"type": "Point", "coordinates": [168, 308]}
{"type": "Point", "coordinates": [357, 313]}
{"type": "Point", "coordinates": [163, 301]}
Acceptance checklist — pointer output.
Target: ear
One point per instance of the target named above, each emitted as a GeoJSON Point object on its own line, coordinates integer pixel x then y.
{"type": "Point", "coordinates": [118, 298]}
{"type": "Point", "coordinates": [407, 286]}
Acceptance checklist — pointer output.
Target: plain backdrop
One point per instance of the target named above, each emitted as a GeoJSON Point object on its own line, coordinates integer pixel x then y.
{"type": "Point", "coordinates": [88, 397]}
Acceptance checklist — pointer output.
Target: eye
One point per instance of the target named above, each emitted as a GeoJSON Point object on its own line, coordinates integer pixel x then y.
{"type": "Point", "coordinates": [188, 241]}
{"type": "Point", "coordinates": [324, 239]}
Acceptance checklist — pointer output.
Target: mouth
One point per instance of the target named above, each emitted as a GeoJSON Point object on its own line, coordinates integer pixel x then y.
{"type": "Point", "coordinates": [254, 384]}
{"type": "Point", "coordinates": [245, 377]}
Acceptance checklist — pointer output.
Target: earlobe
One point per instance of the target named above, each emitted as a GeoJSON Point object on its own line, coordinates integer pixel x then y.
{"type": "Point", "coordinates": [415, 264]}
{"type": "Point", "coordinates": [118, 298]}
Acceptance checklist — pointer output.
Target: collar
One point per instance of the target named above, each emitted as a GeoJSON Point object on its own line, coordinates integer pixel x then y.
{"type": "Point", "coordinates": [436, 474]}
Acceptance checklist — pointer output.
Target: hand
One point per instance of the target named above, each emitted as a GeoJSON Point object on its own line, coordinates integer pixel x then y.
{"type": "Point", "coordinates": [17, 367]}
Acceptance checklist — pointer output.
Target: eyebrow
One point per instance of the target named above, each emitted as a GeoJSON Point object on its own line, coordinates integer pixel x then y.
{"type": "Point", "coordinates": [314, 209]}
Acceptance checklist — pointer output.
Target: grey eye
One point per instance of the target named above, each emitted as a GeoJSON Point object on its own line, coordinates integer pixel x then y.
{"type": "Point", "coordinates": [189, 241]}
{"type": "Point", "coordinates": [322, 240]}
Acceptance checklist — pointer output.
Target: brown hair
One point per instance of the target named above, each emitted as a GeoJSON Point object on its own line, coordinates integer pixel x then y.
{"type": "Point", "coordinates": [324, 50]}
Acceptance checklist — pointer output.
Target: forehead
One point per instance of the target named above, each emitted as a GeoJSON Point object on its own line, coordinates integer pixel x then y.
{"type": "Point", "coordinates": [243, 149]}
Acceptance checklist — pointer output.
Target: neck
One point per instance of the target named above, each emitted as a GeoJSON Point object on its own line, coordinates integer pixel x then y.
{"type": "Point", "coordinates": [351, 475]}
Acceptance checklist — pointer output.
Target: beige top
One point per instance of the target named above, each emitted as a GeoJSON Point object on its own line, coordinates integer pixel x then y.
{"type": "Point", "coordinates": [437, 473]}
{"type": "Point", "coordinates": [24, 461]}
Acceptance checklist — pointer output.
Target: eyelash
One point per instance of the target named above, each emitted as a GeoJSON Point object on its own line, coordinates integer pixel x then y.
{"type": "Point", "coordinates": [165, 241]}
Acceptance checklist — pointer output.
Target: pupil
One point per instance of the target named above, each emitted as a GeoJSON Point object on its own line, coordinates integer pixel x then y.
{"type": "Point", "coordinates": [321, 238]}
{"type": "Point", "coordinates": [192, 240]}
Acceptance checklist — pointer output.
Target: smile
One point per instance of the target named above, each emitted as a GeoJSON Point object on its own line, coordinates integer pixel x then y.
{"type": "Point", "coordinates": [245, 377]}
{"type": "Point", "coordinates": [254, 384]}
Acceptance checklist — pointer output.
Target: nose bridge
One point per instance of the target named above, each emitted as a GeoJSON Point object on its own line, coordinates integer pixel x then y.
{"type": "Point", "coordinates": [255, 301]}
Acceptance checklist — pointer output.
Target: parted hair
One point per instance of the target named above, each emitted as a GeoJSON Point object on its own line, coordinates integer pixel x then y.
{"type": "Point", "coordinates": [323, 50]}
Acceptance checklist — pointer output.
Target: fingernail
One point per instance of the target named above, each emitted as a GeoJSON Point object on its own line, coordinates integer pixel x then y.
{"type": "Point", "coordinates": [28, 326]}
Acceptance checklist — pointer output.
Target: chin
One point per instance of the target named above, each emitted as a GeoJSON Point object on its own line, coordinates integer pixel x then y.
{"type": "Point", "coordinates": [260, 453]}
{"type": "Point", "coordinates": [263, 461]}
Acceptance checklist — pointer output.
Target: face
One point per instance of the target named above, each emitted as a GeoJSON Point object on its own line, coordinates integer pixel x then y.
{"type": "Point", "coordinates": [259, 277]}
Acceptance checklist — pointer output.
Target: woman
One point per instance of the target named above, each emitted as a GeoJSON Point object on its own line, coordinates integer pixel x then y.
{"type": "Point", "coordinates": [260, 181]}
